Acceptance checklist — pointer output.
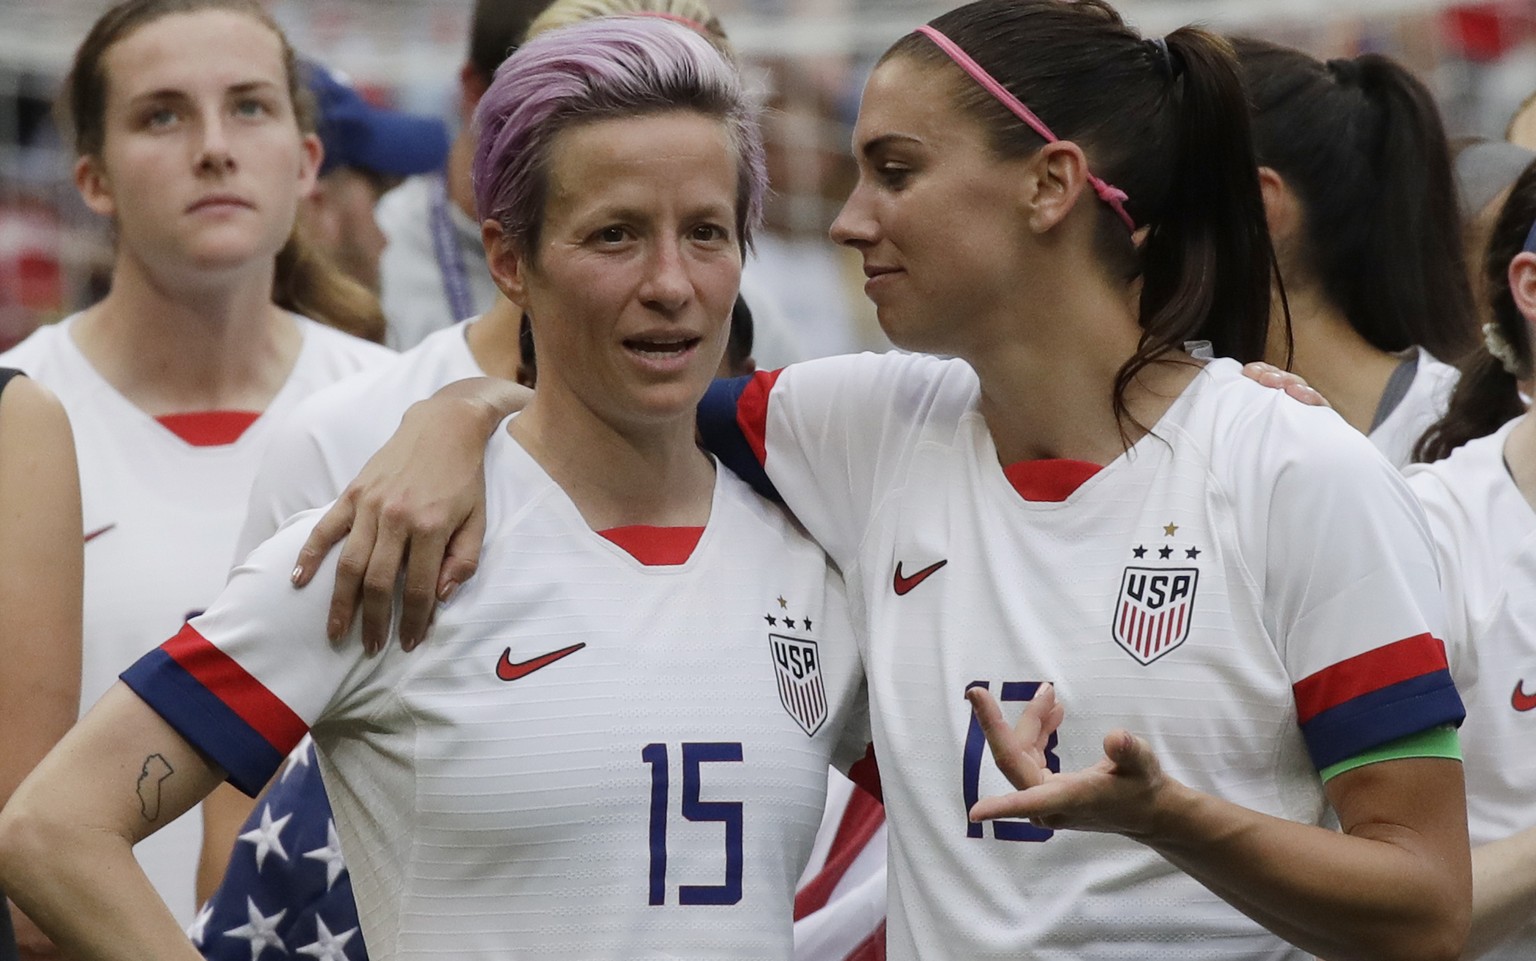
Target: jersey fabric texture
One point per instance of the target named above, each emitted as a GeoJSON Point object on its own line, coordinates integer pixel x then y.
{"type": "Point", "coordinates": [1485, 534]}
{"type": "Point", "coordinates": [413, 281]}
{"type": "Point", "coordinates": [161, 516]}
{"type": "Point", "coordinates": [1425, 403]}
{"type": "Point", "coordinates": [1223, 590]}
{"type": "Point", "coordinates": [590, 757]}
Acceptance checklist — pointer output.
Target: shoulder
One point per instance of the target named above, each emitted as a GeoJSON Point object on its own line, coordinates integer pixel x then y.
{"type": "Point", "coordinates": [29, 412]}
{"type": "Point", "coordinates": [40, 351]}
{"type": "Point", "coordinates": [337, 350]}
{"type": "Point", "coordinates": [1469, 496]}
{"type": "Point", "coordinates": [909, 386]}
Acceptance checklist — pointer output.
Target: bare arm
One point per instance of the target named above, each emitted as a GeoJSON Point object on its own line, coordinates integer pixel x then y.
{"type": "Point", "coordinates": [66, 838]}
{"type": "Point", "coordinates": [1503, 890]}
{"type": "Point", "coordinates": [1396, 884]}
{"type": "Point", "coordinates": [420, 502]}
{"type": "Point", "coordinates": [40, 588]}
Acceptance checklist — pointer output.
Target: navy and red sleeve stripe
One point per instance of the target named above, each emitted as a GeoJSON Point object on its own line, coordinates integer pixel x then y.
{"type": "Point", "coordinates": [218, 707]}
{"type": "Point", "coordinates": [1376, 697]}
{"type": "Point", "coordinates": [733, 425]}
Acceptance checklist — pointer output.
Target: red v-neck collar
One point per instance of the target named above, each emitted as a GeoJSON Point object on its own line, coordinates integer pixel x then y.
{"type": "Point", "coordinates": [1051, 480]}
{"type": "Point", "coordinates": [210, 428]}
{"type": "Point", "coordinates": [656, 546]}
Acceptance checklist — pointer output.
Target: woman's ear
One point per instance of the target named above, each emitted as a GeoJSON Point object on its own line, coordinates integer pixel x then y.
{"type": "Point", "coordinates": [1281, 208]}
{"type": "Point", "coordinates": [508, 266]}
{"type": "Point", "coordinates": [1522, 285]}
{"type": "Point", "coordinates": [95, 189]}
{"type": "Point", "coordinates": [1057, 178]}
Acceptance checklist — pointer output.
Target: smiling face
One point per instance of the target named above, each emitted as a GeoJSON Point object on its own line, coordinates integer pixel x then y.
{"type": "Point", "coordinates": [638, 261]}
{"type": "Point", "coordinates": [935, 214]}
{"type": "Point", "coordinates": [202, 163]}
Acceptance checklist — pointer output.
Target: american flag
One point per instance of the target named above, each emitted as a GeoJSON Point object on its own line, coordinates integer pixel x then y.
{"type": "Point", "coordinates": [287, 891]}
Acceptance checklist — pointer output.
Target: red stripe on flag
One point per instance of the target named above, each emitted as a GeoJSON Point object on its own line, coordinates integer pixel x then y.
{"type": "Point", "coordinates": [752, 411]}
{"type": "Point", "coordinates": [862, 817]}
{"type": "Point", "coordinates": [232, 684]}
{"type": "Point", "coordinates": [1375, 669]}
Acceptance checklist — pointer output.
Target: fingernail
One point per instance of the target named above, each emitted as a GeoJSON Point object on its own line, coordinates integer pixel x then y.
{"type": "Point", "coordinates": [294, 577]}
{"type": "Point", "coordinates": [446, 594]}
{"type": "Point", "coordinates": [333, 629]}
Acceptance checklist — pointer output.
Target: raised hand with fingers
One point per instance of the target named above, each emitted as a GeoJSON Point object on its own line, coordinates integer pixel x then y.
{"type": "Point", "coordinates": [1117, 795]}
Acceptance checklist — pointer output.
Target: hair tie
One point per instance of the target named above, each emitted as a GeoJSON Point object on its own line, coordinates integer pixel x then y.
{"type": "Point", "coordinates": [1501, 349]}
{"type": "Point", "coordinates": [1165, 59]}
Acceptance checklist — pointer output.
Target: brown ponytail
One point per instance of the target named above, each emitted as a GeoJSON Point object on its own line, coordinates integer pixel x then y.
{"type": "Point", "coordinates": [307, 282]}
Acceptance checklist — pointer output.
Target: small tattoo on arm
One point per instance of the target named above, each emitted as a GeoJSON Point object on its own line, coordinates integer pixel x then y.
{"type": "Point", "coordinates": [156, 769]}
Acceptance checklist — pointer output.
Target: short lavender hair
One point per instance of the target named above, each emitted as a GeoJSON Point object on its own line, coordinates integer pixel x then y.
{"type": "Point", "coordinates": [604, 69]}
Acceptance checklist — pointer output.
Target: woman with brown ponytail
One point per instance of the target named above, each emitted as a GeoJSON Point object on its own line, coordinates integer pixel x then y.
{"type": "Point", "coordinates": [1136, 575]}
{"type": "Point", "coordinates": [1480, 495]}
{"type": "Point", "coordinates": [1361, 205]}
{"type": "Point", "coordinates": [191, 139]}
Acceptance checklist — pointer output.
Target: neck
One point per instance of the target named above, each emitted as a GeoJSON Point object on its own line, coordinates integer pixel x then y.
{"type": "Point", "coordinates": [461, 159]}
{"type": "Point", "coordinates": [493, 340]}
{"type": "Point", "coordinates": [1337, 361]}
{"type": "Point", "coordinates": [1047, 385]}
{"type": "Point", "coordinates": [617, 476]}
{"type": "Point", "coordinates": [1520, 454]}
{"type": "Point", "coordinates": [172, 345]}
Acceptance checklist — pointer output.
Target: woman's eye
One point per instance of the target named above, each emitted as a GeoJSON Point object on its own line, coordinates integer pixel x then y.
{"type": "Point", "coordinates": [710, 233]}
{"type": "Point", "coordinates": [894, 176]}
{"type": "Point", "coordinates": [251, 108]}
{"type": "Point", "coordinates": [160, 117]}
{"type": "Point", "coordinates": [612, 235]}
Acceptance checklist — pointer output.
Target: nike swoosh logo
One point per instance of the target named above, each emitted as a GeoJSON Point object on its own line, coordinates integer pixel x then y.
{"type": "Point", "coordinates": [903, 584]}
{"type": "Point", "coordinates": [508, 671]}
{"type": "Point", "coordinates": [1521, 701]}
{"type": "Point", "coordinates": [92, 535]}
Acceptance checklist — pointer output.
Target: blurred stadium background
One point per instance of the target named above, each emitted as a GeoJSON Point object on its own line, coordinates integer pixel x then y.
{"type": "Point", "coordinates": [806, 57]}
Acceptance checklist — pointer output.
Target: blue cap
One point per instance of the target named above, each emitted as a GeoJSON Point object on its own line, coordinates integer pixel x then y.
{"type": "Point", "coordinates": [358, 134]}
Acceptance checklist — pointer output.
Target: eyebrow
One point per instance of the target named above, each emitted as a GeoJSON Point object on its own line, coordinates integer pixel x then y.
{"type": "Point", "coordinates": [882, 142]}
{"type": "Point", "coordinates": [174, 93]}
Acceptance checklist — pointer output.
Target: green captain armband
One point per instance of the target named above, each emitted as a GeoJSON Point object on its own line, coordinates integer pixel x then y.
{"type": "Point", "coordinates": [1441, 741]}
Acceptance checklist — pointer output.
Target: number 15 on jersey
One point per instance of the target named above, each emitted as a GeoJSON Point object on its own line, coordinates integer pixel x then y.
{"type": "Point", "coordinates": [1003, 829]}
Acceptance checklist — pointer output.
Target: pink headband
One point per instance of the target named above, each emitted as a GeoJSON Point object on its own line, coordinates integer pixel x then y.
{"type": "Point", "coordinates": [693, 25]}
{"type": "Point", "coordinates": [1111, 195]}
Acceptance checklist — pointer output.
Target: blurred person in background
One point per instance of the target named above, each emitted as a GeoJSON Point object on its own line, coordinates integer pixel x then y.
{"type": "Point", "coordinates": [432, 271]}
{"type": "Point", "coordinates": [1361, 205]}
{"type": "Point", "coordinates": [191, 139]}
{"type": "Point", "coordinates": [368, 151]}
{"type": "Point", "coordinates": [1479, 492]}
{"type": "Point", "coordinates": [40, 581]}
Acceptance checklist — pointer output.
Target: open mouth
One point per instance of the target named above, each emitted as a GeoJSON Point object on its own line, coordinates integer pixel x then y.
{"type": "Point", "coordinates": [662, 348]}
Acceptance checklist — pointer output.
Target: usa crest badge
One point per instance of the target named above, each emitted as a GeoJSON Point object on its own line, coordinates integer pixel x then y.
{"type": "Point", "coordinates": [797, 668]}
{"type": "Point", "coordinates": [1154, 610]}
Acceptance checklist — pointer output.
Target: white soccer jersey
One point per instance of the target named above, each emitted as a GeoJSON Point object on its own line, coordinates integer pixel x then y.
{"type": "Point", "coordinates": [323, 443]}
{"type": "Point", "coordinates": [432, 272]}
{"type": "Point", "coordinates": [1251, 589]}
{"type": "Point", "coordinates": [1425, 403]}
{"type": "Point", "coordinates": [161, 515]}
{"type": "Point", "coordinates": [590, 758]}
{"type": "Point", "coordinates": [1485, 534]}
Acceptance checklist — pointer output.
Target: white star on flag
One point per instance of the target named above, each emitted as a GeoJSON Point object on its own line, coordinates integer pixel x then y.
{"type": "Point", "coordinates": [260, 931]}
{"type": "Point", "coordinates": [199, 927]}
{"type": "Point", "coordinates": [330, 854]}
{"type": "Point", "coordinates": [327, 946]}
{"type": "Point", "coordinates": [298, 758]}
{"type": "Point", "coordinates": [267, 837]}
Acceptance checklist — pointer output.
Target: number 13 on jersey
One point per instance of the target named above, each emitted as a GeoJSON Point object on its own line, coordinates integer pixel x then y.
{"type": "Point", "coordinates": [976, 753]}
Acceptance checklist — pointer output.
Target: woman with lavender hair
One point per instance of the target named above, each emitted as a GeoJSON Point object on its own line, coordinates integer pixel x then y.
{"type": "Point", "coordinates": [617, 746]}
